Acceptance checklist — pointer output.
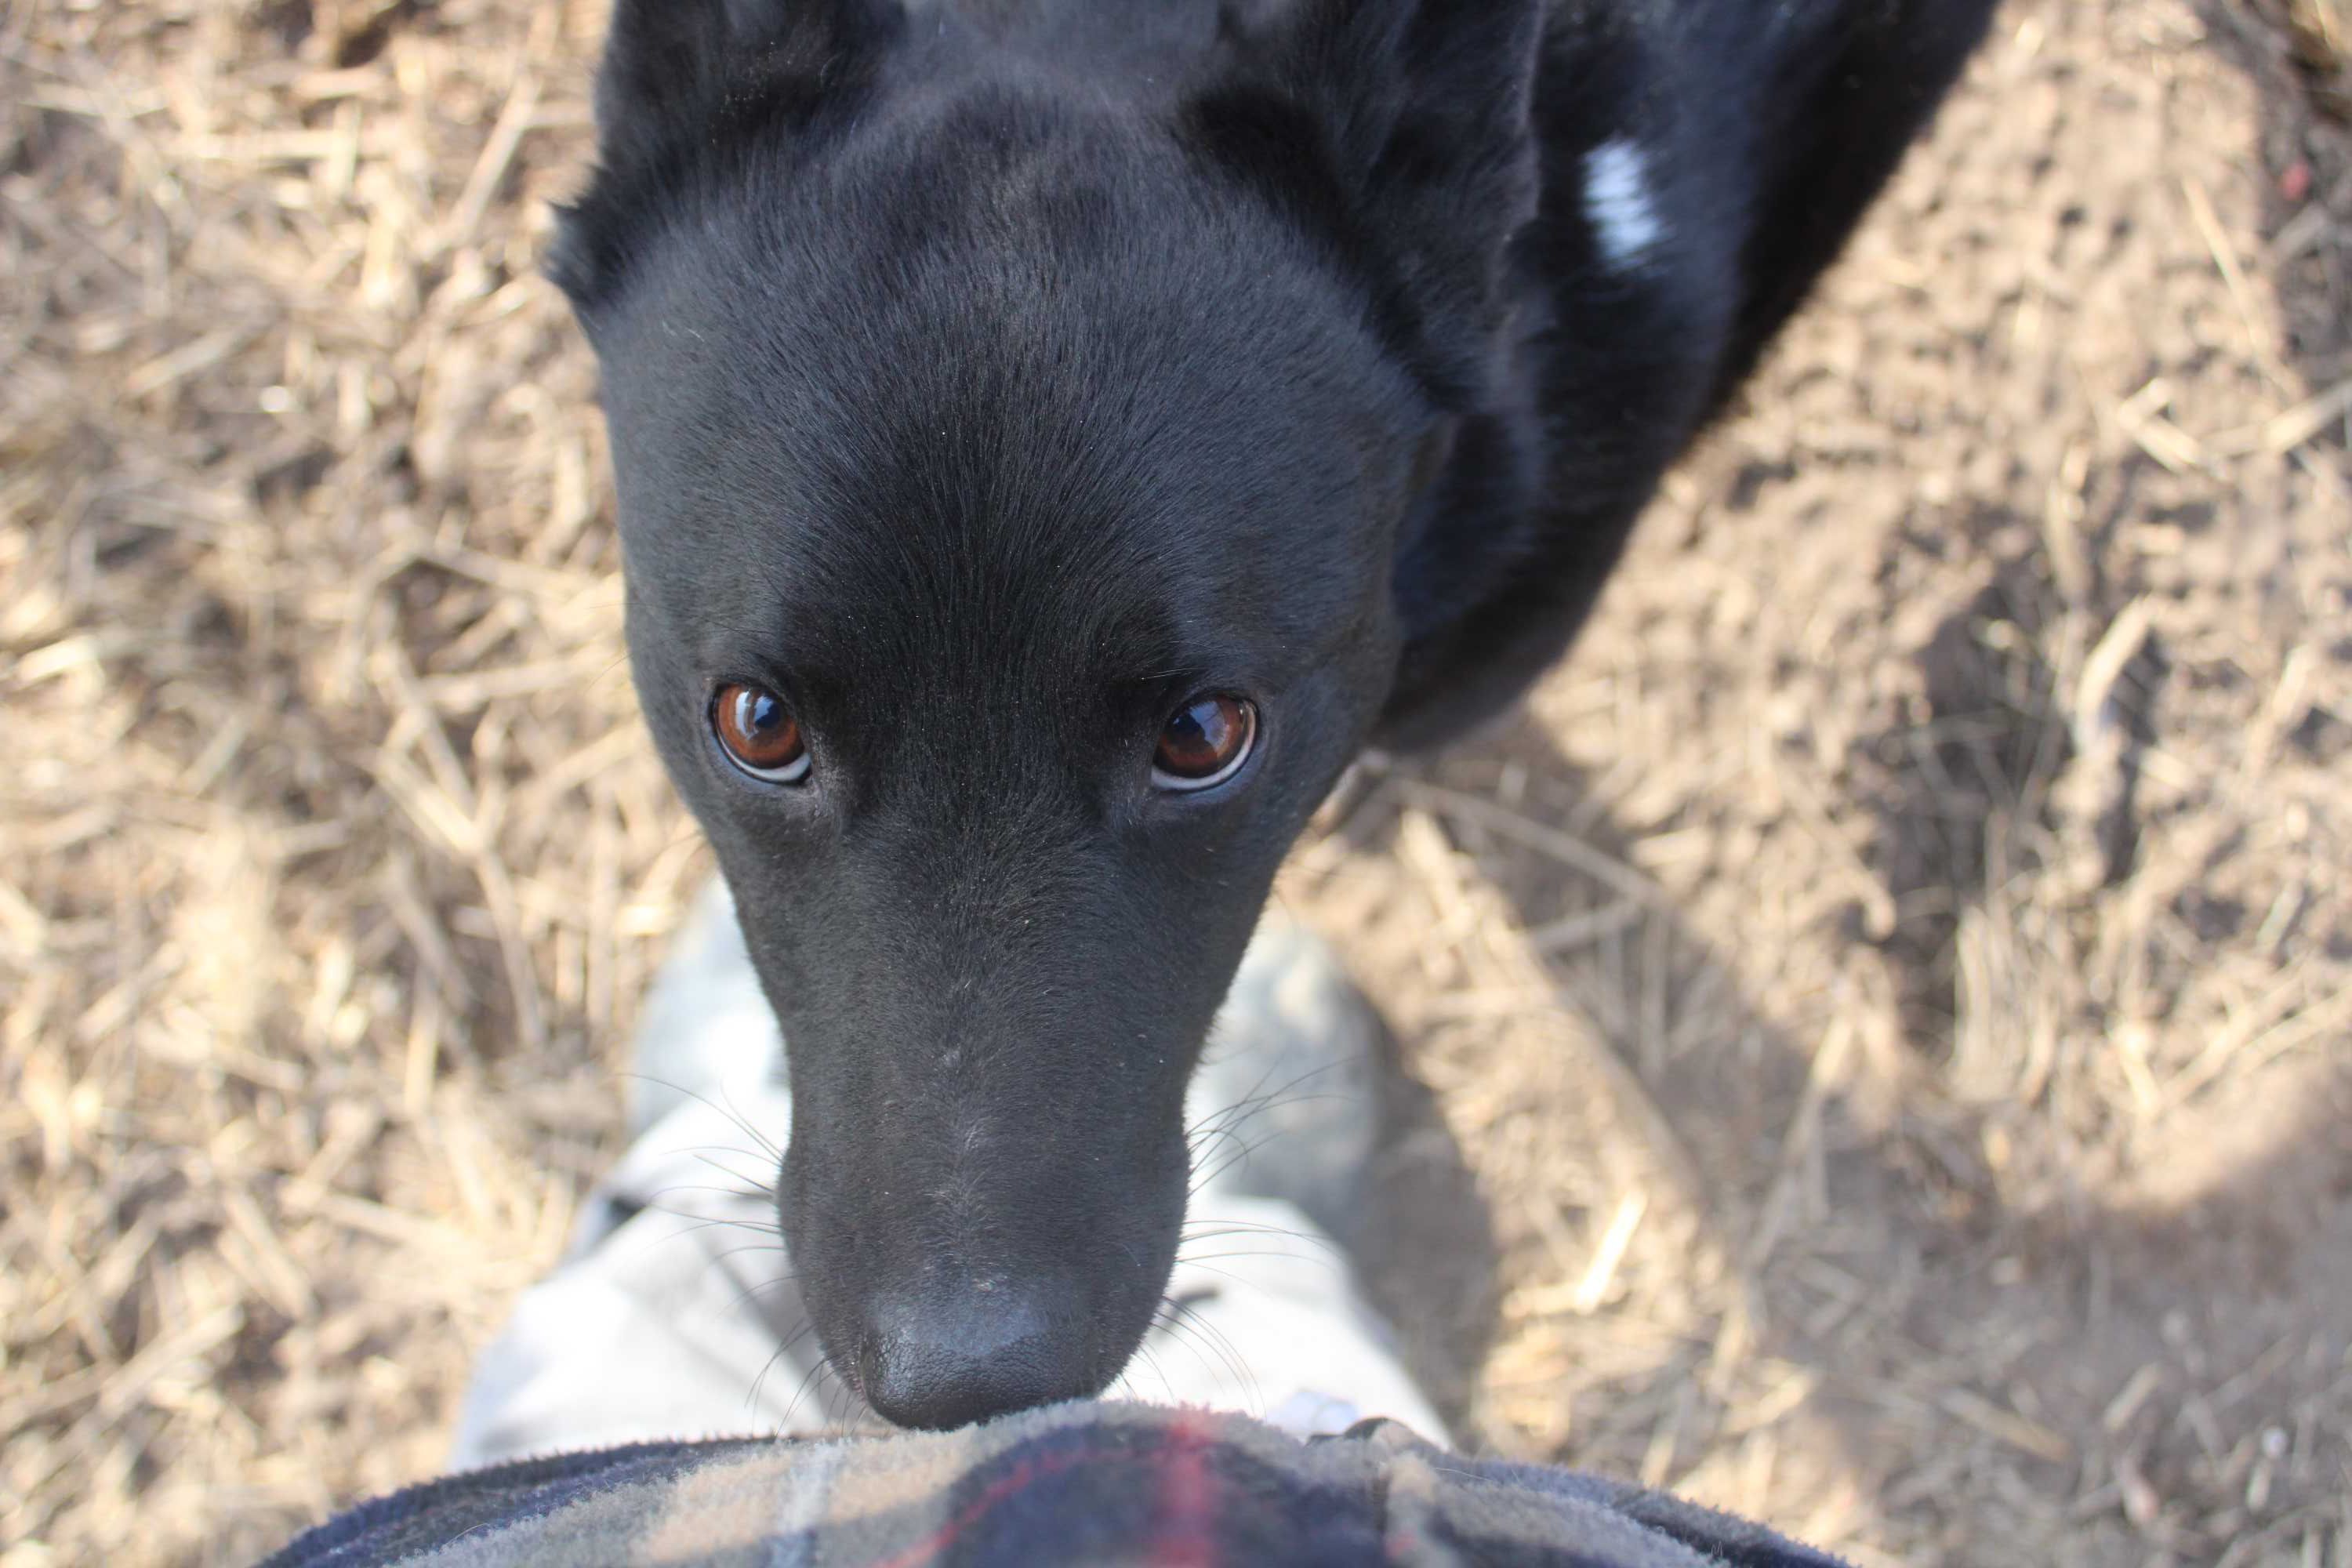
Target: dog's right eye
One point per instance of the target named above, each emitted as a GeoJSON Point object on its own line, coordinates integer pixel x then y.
{"type": "Point", "coordinates": [1205, 743]}
{"type": "Point", "coordinates": [759, 733]}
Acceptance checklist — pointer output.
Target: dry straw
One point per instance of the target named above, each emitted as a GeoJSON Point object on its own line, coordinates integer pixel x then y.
{"type": "Point", "coordinates": [1890, 992]}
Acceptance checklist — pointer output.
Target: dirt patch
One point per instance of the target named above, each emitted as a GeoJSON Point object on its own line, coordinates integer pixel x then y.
{"type": "Point", "coordinates": [1891, 991]}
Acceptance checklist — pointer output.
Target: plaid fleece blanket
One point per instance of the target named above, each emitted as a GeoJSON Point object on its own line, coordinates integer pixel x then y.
{"type": "Point", "coordinates": [1080, 1483]}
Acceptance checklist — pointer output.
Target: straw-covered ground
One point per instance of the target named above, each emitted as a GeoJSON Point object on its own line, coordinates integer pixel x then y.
{"type": "Point", "coordinates": [1892, 988]}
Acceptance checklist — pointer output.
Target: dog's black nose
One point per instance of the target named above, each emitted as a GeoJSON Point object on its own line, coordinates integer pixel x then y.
{"type": "Point", "coordinates": [986, 1348]}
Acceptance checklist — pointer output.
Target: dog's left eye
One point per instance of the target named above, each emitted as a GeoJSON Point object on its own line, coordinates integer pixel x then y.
{"type": "Point", "coordinates": [760, 735]}
{"type": "Point", "coordinates": [1205, 743]}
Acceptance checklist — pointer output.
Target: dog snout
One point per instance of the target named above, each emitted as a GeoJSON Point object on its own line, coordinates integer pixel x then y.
{"type": "Point", "coordinates": [956, 1354]}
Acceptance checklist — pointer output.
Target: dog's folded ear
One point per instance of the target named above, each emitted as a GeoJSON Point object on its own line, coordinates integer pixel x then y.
{"type": "Point", "coordinates": [682, 77]}
{"type": "Point", "coordinates": [1399, 131]}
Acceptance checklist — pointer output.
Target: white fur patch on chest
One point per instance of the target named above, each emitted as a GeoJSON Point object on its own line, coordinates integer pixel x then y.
{"type": "Point", "coordinates": [1618, 202]}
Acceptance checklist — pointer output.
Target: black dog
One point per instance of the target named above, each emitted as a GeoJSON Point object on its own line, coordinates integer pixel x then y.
{"type": "Point", "coordinates": [1053, 437]}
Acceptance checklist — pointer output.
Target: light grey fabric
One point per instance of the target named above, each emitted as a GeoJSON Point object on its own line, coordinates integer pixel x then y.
{"type": "Point", "coordinates": [674, 1315]}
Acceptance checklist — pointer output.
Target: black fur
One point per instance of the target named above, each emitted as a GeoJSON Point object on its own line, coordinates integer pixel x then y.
{"type": "Point", "coordinates": [988, 377]}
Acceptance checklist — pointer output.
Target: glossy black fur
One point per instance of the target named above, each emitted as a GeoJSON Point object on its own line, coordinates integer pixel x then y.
{"type": "Point", "coordinates": [988, 377]}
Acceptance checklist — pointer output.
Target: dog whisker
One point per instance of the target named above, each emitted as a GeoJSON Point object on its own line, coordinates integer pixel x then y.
{"type": "Point", "coordinates": [773, 1149]}
{"type": "Point", "coordinates": [837, 1412]}
{"type": "Point", "coordinates": [1202, 1259]}
{"type": "Point", "coordinates": [1260, 1098]}
{"type": "Point", "coordinates": [1325, 1253]}
{"type": "Point", "coordinates": [745, 1194]}
{"type": "Point", "coordinates": [1151, 1362]}
{"type": "Point", "coordinates": [1202, 1179]}
{"type": "Point", "coordinates": [1203, 1339]}
{"type": "Point", "coordinates": [1188, 1320]}
{"type": "Point", "coordinates": [750, 1295]}
{"type": "Point", "coordinates": [1210, 1230]}
{"type": "Point", "coordinates": [1221, 1130]}
{"type": "Point", "coordinates": [749, 1247]}
{"type": "Point", "coordinates": [751, 1188]}
{"type": "Point", "coordinates": [783, 1347]}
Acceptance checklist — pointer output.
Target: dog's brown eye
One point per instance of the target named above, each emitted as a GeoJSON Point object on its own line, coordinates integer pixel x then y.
{"type": "Point", "coordinates": [759, 733]}
{"type": "Point", "coordinates": [1205, 743]}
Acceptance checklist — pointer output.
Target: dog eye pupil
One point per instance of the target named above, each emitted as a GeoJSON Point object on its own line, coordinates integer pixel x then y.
{"type": "Point", "coordinates": [1204, 739]}
{"type": "Point", "coordinates": [758, 731]}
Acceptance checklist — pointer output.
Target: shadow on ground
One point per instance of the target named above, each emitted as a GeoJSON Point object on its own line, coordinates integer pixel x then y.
{"type": "Point", "coordinates": [1871, 1257]}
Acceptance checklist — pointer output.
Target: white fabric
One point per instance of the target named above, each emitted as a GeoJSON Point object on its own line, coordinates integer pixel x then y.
{"type": "Point", "coordinates": [667, 1322]}
{"type": "Point", "coordinates": [673, 1315]}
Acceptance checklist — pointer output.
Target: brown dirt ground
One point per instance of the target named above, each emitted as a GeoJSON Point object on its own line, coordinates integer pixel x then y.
{"type": "Point", "coordinates": [1891, 992]}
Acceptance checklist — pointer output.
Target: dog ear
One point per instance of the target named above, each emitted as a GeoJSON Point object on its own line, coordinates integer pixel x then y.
{"type": "Point", "coordinates": [669, 65]}
{"type": "Point", "coordinates": [1400, 129]}
{"type": "Point", "coordinates": [680, 78]}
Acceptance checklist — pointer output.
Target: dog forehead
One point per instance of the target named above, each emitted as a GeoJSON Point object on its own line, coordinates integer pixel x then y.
{"type": "Point", "coordinates": [1030, 404]}
{"type": "Point", "coordinates": [964, 572]}
{"type": "Point", "coordinates": [979, 242]}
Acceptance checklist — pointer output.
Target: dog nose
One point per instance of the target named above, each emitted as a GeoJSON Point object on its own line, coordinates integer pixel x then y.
{"type": "Point", "coordinates": [987, 1348]}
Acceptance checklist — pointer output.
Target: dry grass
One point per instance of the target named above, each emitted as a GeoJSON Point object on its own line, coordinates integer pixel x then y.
{"type": "Point", "coordinates": [333, 854]}
{"type": "Point", "coordinates": [1893, 988]}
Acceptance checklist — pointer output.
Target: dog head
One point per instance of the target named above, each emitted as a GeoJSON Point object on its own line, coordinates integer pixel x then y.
{"type": "Point", "coordinates": [1013, 447]}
